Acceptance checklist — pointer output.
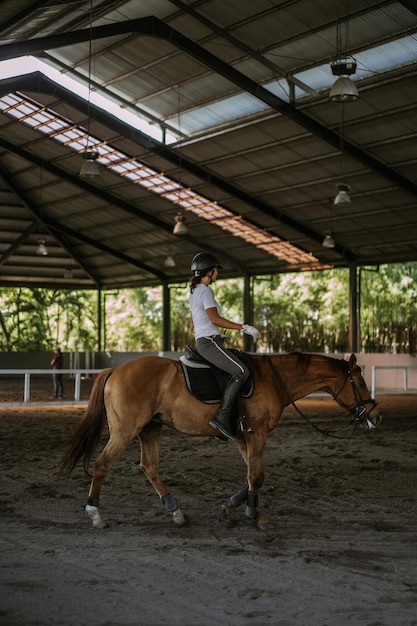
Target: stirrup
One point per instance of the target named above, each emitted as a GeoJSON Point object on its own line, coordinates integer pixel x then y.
{"type": "Point", "coordinates": [243, 428]}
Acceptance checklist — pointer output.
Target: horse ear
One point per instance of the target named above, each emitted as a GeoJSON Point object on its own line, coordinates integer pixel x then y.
{"type": "Point", "coordinates": [352, 361]}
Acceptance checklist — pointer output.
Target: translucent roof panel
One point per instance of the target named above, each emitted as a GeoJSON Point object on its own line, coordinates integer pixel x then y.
{"type": "Point", "coordinates": [379, 59]}
{"type": "Point", "coordinates": [384, 58]}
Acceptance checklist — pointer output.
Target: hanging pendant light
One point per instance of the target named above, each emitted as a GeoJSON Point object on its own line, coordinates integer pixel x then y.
{"type": "Point", "coordinates": [328, 241]}
{"type": "Point", "coordinates": [90, 168]}
{"type": "Point", "coordinates": [342, 196]}
{"type": "Point", "coordinates": [180, 227]}
{"type": "Point", "coordinates": [344, 89]}
{"type": "Point", "coordinates": [41, 250]}
{"type": "Point", "coordinates": [169, 261]}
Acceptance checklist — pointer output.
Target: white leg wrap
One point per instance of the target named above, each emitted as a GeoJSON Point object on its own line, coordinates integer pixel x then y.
{"type": "Point", "coordinates": [94, 515]}
{"type": "Point", "coordinates": [178, 517]}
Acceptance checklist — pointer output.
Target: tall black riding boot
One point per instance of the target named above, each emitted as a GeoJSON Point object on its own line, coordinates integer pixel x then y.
{"type": "Point", "coordinates": [221, 420]}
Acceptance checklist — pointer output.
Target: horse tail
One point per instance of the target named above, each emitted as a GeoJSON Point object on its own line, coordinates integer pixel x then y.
{"type": "Point", "coordinates": [83, 441]}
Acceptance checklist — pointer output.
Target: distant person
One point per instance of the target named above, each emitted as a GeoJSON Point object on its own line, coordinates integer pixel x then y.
{"type": "Point", "coordinates": [57, 364]}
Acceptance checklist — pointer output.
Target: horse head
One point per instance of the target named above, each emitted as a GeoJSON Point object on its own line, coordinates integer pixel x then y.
{"type": "Point", "coordinates": [356, 397]}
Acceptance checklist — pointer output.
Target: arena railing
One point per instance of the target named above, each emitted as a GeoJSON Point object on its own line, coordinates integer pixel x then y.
{"type": "Point", "coordinates": [77, 375]}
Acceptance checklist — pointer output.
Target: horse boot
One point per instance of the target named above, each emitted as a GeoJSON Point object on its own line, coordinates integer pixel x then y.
{"type": "Point", "coordinates": [221, 420]}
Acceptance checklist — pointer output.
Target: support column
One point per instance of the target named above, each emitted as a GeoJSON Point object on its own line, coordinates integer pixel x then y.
{"type": "Point", "coordinates": [248, 343]}
{"type": "Point", "coordinates": [99, 325]}
{"type": "Point", "coordinates": [166, 320]}
{"type": "Point", "coordinates": [353, 308]}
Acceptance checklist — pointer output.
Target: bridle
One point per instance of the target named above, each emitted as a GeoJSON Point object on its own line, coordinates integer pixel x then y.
{"type": "Point", "coordinates": [358, 411]}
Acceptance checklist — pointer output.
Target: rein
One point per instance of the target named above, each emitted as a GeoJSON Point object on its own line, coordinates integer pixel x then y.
{"type": "Point", "coordinates": [328, 433]}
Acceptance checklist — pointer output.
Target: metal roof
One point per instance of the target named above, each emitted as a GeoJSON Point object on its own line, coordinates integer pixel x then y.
{"type": "Point", "coordinates": [219, 110]}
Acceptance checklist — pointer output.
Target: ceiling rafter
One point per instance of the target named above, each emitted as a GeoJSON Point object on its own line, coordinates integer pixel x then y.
{"type": "Point", "coordinates": [255, 54]}
{"type": "Point", "coordinates": [153, 27]}
{"type": "Point", "coordinates": [111, 199]}
{"type": "Point", "coordinates": [52, 224]}
{"type": "Point", "coordinates": [39, 83]}
{"type": "Point", "coordinates": [268, 166]}
{"type": "Point", "coordinates": [39, 215]}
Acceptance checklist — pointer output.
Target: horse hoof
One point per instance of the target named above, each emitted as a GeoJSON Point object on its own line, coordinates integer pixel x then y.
{"type": "Point", "coordinates": [179, 518]}
{"type": "Point", "coordinates": [223, 513]}
{"type": "Point", "coordinates": [262, 522]}
{"type": "Point", "coordinates": [94, 515]}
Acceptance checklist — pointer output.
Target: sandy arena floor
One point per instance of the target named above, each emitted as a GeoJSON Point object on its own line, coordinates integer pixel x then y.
{"type": "Point", "coordinates": [341, 548]}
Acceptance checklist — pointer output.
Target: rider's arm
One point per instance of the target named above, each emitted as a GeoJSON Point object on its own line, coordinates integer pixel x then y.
{"type": "Point", "coordinates": [220, 321]}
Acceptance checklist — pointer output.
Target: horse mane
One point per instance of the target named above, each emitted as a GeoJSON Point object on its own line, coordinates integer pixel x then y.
{"type": "Point", "coordinates": [304, 359]}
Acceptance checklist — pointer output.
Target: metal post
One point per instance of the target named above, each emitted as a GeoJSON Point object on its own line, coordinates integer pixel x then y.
{"type": "Point", "coordinates": [77, 388]}
{"type": "Point", "coordinates": [26, 393]}
{"type": "Point", "coordinates": [373, 381]}
{"type": "Point", "coordinates": [166, 320]}
{"type": "Point", "coordinates": [99, 330]}
{"type": "Point", "coordinates": [353, 308]}
{"type": "Point", "coordinates": [247, 311]}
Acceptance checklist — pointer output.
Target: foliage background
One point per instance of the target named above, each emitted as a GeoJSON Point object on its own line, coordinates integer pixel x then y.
{"type": "Point", "coordinates": [306, 311]}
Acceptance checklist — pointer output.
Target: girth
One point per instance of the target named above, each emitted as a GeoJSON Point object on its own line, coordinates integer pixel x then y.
{"type": "Point", "coordinates": [207, 382]}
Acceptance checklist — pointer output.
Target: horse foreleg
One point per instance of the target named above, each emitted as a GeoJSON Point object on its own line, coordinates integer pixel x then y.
{"type": "Point", "coordinates": [112, 451]}
{"type": "Point", "coordinates": [251, 450]}
{"type": "Point", "coordinates": [150, 442]}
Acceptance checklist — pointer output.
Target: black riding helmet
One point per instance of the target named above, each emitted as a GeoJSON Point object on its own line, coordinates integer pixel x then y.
{"type": "Point", "coordinates": [204, 261]}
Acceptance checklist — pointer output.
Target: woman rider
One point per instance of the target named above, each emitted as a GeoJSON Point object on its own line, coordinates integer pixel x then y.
{"type": "Point", "coordinates": [207, 319]}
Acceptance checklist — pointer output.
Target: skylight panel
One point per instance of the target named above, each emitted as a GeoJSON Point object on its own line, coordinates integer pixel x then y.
{"type": "Point", "coordinates": [45, 121]}
{"type": "Point", "coordinates": [28, 64]}
{"type": "Point", "coordinates": [221, 112]}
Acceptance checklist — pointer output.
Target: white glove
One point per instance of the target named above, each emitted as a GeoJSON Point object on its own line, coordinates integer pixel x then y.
{"type": "Point", "coordinates": [251, 330]}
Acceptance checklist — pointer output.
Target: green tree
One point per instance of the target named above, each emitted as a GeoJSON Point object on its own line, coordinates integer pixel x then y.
{"type": "Point", "coordinates": [389, 308]}
{"type": "Point", "coordinates": [35, 319]}
{"type": "Point", "coordinates": [307, 311]}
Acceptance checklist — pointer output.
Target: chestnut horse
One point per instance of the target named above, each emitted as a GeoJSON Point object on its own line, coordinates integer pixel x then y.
{"type": "Point", "coordinates": [141, 396]}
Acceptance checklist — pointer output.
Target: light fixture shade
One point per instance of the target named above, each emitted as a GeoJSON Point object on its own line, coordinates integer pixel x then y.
{"type": "Point", "coordinates": [180, 228]}
{"type": "Point", "coordinates": [342, 197]}
{"type": "Point", "coordinates": [169, 261]}
{"type": "Point", "coordinates": [343, 90]}
{"type": "Point", "coordinates": [41, 250]}
{"type": "Point", "coordinates": [328, 241]}
{"type": "Point", "coordinates": [90, 168]}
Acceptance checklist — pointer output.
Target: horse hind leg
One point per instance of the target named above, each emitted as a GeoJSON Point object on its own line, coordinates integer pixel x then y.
{"type": "Point", "coordinates": [150, 442]}
{"type": "Point", "coordinates": [234, 502]}
{"type": "Point", "coordinates": [113, 450]}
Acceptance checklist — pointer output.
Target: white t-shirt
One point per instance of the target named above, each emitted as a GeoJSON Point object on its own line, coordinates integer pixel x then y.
{"type": "Point", "coordinates": [201, 299]}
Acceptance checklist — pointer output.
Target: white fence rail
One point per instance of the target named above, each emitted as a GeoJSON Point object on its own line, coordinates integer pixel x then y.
{"type": "Point", "coordinates": [76, 374]}
{"type": "Point", "coordinates": [405, 369]}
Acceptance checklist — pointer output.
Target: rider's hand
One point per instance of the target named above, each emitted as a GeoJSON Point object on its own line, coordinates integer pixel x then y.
{"type": "Point", "coordinates": [250, 330]}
